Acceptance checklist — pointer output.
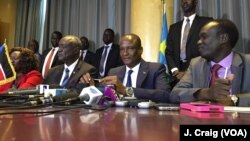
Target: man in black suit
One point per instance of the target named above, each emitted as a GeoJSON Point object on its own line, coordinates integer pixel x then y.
{"type": "Point", "coordinates": [68, 74]}
{"type": "Point", "coordinates": [182, 39]}
{"type": "Point", "coordinates": [85, 54]}
{"type": "Point", "coordinates": [137, 78]}
{"type": "Point", "coordinates": [107, 56]}
{"type": "Point", "coordinates": [49, 57]}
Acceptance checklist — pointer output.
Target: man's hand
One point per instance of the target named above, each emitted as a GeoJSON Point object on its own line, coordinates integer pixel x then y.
{"type": "Point", "coordinates": [218, 93]}
{"type": "Point", "coordinates": [178, 74]}
{"type": "Point", "coordinates": [86, 78]}
{"type": "Point", "coordinates": [113, 80]}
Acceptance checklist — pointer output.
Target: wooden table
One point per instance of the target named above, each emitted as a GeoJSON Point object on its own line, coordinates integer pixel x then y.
{"type": "Point", "coordinates": [113, 124]}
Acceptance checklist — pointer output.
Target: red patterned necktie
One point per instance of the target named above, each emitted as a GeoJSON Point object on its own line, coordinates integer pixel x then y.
{"type": "Point", "coordinates": [49, 62]}
{"type": "Point", "coordinates": [214, 73]}
{"type": "Point", "coordinates": [81, 54]}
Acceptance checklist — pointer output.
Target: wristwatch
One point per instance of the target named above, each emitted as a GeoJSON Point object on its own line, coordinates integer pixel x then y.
{"type": "Point", "coordinates": [129, 91]}
{"type": "Point", "coordinates": [235, 99]}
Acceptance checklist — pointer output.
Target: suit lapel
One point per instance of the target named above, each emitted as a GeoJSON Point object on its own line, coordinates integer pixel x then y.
{"type": "Point", "coordinates": [207, 73]}
{"type": "Point", "coordinates": [59, 74]}
{"type": "Point", "coordinates": [122, 73]}
{"type": "Point", "coordinates": [86, 58]}
{"type": "Point", "coordinates": [178, 32]}
{"type": "Point", "coordinates": [193, 27]}
{"type": "Point", "coordinates": [142, 73]}
{"type": "Point", "coordinates": [237, 70]}
{"type": "Point", "coordinates": [74, 76]}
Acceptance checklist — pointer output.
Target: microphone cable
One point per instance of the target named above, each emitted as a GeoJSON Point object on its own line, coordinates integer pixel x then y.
{"type": "Point", "coordinates": [49, 111]}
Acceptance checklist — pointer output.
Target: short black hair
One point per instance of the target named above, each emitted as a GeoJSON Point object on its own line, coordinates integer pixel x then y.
{"type": "Point", "coordinates": [228, 27]}
{"type": "Point", "coordinates": [87, 41]}
{"type": "Point", "coordinates": [58, 33]}
{"type": "Point", "coordinates": [110, 30]}
{"type": "Point", "coordinates": [36, 45]}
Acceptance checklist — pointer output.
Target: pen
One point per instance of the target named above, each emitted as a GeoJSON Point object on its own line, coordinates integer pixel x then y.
{"type": "Point", "coordinates": [98, 80]}
{"type": "Point", "coordinates": [225, 75]}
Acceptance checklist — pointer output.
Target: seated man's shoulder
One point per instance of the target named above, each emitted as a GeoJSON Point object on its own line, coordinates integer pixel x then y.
{"type": "Point", "coordinates": [56, 68]}
{"type": "Point", "coordinates": [153, 66]}
{"type": "Point", "coordinates": [247, 57]}
{"type": "Point", "coordinates": [116, 69]}
{"type": "Point", "coordinates": [85, 64]}
{"type": "Point", "coordinates": [197, 60]}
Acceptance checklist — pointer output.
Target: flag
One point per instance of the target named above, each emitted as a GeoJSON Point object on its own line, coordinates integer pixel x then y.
{"type": "Point", "coordinates": [164, 33]}
{"type": "Point", "coordinates": [7, 72]}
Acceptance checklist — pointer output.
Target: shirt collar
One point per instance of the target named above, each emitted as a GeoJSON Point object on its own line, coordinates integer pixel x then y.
{"type": "Point", "coordinates": [108, 44]}
{"type": "Point", "coordinates": [191, 18]}
{"type": "Point", "coordinates": [72, 66]}
{"type": "Point", "coordinates": [135, 68]}
{"type": "Point", "coordinates": [226, 62]}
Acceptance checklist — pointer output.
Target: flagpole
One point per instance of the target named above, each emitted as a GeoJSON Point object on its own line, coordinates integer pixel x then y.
{"type": "Point", "coordinates": [163, 6]}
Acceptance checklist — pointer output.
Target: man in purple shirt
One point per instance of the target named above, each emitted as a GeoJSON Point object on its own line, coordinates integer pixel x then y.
{"type": "Point", "coordinates": [217, 40]}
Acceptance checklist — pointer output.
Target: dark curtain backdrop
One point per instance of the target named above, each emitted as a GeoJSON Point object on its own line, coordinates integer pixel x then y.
{"type": "Point", "coordinates": [27, 21]}
{"type": "Point", "coordinates": [76, 17]}
{"type": "Point", "coordinates": [91, 17]}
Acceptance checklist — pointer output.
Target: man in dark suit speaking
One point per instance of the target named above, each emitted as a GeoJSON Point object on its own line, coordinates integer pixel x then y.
{"type": "Point", "coordinates": [137, 78]}
{"type": "Point", "coordinates": [182, 39]}
{"type": "Point", "coordinates": [68, 74]}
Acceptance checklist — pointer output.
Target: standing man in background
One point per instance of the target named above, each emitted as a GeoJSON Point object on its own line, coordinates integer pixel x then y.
{"type": "Point", "coordinates": [86, 55]}
{"type": "Point", "coordinates": [108, 56]}
{"type": "Point", "coordinates": [182, 40]}
{"type": "Point", "coordinates": [49, 56]}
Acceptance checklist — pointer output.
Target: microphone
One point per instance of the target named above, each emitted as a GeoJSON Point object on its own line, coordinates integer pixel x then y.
{"type": "Point", "coordinates": [39, 89]}
{"type": "Point", "coordinates": [90, 95]}
{"type": "Point", "coordinates": [68, 96]}
{"type": "Point", "coordinates": [23, 91]}
{"type": "Point", "coordinates": [109, 96]}
{"type": "Point", "coordinates": [71, 95]}
{"type": "Point", "coordinates": [41, 100]}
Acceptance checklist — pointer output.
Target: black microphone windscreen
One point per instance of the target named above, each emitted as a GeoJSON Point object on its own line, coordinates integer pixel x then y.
{"type": "Point", "coordinates": [55, 86]}
{"type": "Point", "coordinates": [65, 96]}
{"type": "Point", "coordinates": [23, 91]}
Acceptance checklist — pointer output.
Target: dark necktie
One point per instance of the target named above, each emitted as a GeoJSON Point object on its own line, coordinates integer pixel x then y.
{"type": "Point", "coordinates": [48, 63]}
{"type": "Point", "coordinates": [214, 74]}
{"type": "Point", "coordinates": [66, 77]}
{"type": "Point", "coordinates": [81, 54]}
{"type": "Point", "coordinates": [101, 68]}
{"type": "Point", "coordinates": [184, 39]}
{"type": "Point", "coordinates": [129, 81]}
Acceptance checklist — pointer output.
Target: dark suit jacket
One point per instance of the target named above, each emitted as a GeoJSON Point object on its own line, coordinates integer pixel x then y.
{"type": "Point", "coordinates": [151, 81]}
{"type": "Point", "coordinates": [55, 74]}
{"type": "Point", "coordinates": [174, 39]}
{"type": "Point", "coordinates": [113, 60]}
{"type": "Point", "coordinates": [90, 58]}
{"type": "Point", "coordinates": [198, 76]}
{"type": "Point", "coordinates": [55, 61]}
